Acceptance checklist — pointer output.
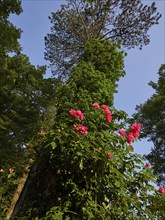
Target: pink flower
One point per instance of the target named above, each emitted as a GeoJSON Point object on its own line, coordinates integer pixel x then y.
{"type": "Point", "coordinates": [130, 138]}
{"type": "Point", "coordinates": [96, 105]}
{"type": "Point", "coordinates": [10, 170]}
{"type": "Point", "coordinates": [110, 156]}
{"type": "Point", "coordinates": [72, 112]}
{"type": "Point", "coordinates": [77, 114]}
{"type": "Point", "coordinates": [161, 190]}
{"type": "Point", "coordinates": [148, 165]}
{"type": "Point", "coordinates": [122, 132]}
{"type": "Point", "coordinates": [81, 129]}
{"type": "Point", "coordinates": [106, 109]}
{"type": "Point", "coordinates": [135, 134]}
{"type": "Point", "coordinates": [135, 129]}
{"type": "Point", "coordinates": [108, 117]}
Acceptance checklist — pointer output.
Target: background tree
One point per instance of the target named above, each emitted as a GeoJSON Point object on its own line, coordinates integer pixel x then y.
{"type": "Point", "coordinates": [152, 116]}
{"type": "Point", "coordinates": [74, 24]}
{"type": "Point", "coordinates": [25, 95]}
{"type": "Point", "coordinates": [9, 34]}
{"type": "Point", "coordinates": [27, 104]}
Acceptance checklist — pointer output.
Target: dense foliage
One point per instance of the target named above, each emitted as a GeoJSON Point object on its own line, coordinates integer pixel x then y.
{"type": "Point", "coordinates": [9, 34]}
{"type": "Point", "coordinates": [87, 169]}
{"type": "Point", "coordinates": [78, 21]}
{"type": "Point", "coordinates": [27, 100]}
{"type": "Point", "coordinates": [83, 164]}
{"type": "Point", "coordinates": [152, 116]}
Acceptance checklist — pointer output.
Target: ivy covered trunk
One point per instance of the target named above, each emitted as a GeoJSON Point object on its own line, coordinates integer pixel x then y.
{"type": "Point", "coordinates": [87, 168]}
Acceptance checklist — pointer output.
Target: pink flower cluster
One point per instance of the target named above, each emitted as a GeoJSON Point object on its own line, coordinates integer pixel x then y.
{"type": "Point", "coordinates": [161, 190]}
{"type": "Point", "coordinates": [10, 170]}
{"type": "Point", "coordinates": [96, 105]}
{"type": "Point", "coordinates": [81, 129]}
{"type": "Point", "coordinates": [148, 164]}
{"type": "Point", "coordinates": [107, 112]}
{"type": "Point", "coordinates": [76, 113]}
{"type": "Point", "coordinates": [133, 134]}
{"type": "Point", "coordinates": [135, 129]}
{"type": "Point", "coordinates": [122, 133]}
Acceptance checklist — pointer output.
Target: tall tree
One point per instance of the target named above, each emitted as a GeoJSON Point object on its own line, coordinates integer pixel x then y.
{"type": "Point", "coordinates": [25, 95]}
{"type": "Point", "coordinates": [27, 100]}
{"type": "Point", "coordinates": [86, 169]}
{"type": "Point", "coordinates": [152, 116]}
{"type": "Point", "coordinates": [74, 24]}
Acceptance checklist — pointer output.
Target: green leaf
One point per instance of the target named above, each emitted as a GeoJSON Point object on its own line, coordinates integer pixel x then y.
{"type": "Point", "coordinates": [53, 144]}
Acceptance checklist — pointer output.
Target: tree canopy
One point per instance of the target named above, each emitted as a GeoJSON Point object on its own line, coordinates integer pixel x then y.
{"type": "Point", "coordinates": [27, 100]}
{"type": "Point", "coordinates": [126, 22]}
{"type": "Point", "coordinates": [152, 116]}
{"type": "Point", "coordinates": [9, 34]}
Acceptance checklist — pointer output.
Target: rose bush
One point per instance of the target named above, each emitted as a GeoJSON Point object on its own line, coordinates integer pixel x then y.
{"type": "Point", "coordinates": [100, 175]}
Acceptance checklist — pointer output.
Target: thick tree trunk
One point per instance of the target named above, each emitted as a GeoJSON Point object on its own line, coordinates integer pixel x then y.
{"type": "Point", "coordinates": [20, 194]}
{"type": "Point", "coordinates": [39, 191]}
{"type": "Point", "coordinates": [17, 194]}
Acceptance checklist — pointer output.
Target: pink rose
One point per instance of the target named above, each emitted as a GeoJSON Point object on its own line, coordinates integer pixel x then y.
{"type": "Point", "coordinates": [77, 114]}
{"type": "Point", "coordinates": [161, 190]}
{"type": "Point", "coordinates": [10, 170]}
{"type": "Point", "coordinates": [122, 132]}
{"type": "Point", "coordinates": [96, 105]}
{"type": "Point", "coordinates": [110, 156]}
{"type": "Point", "coordinates": [108, 117]}
{"type": "Point", "coordinates": [135, 129]}
{"type": "Point", "coordinates": [81, 129]}
{"type": "Point", "coordinates": [135, 134]}
{"type": "Point", "coordinates": [106, 109]}
{"type": "Point", "coordinates": [130, 138]}
{"type": "Point", "coordinates": [72, 112]}
{"type": "Point", "coordinates": [148, 165]}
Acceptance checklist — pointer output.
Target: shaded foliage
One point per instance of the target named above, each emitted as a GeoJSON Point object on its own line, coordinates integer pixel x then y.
{"type": "Point", "coordinates": [9, 34]}
{"type": "Point", "coordinates": [27, 100]}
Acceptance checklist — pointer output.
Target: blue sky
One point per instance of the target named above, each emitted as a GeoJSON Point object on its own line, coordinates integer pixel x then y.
{"type": "Point", "coordinates": [141, 66]}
